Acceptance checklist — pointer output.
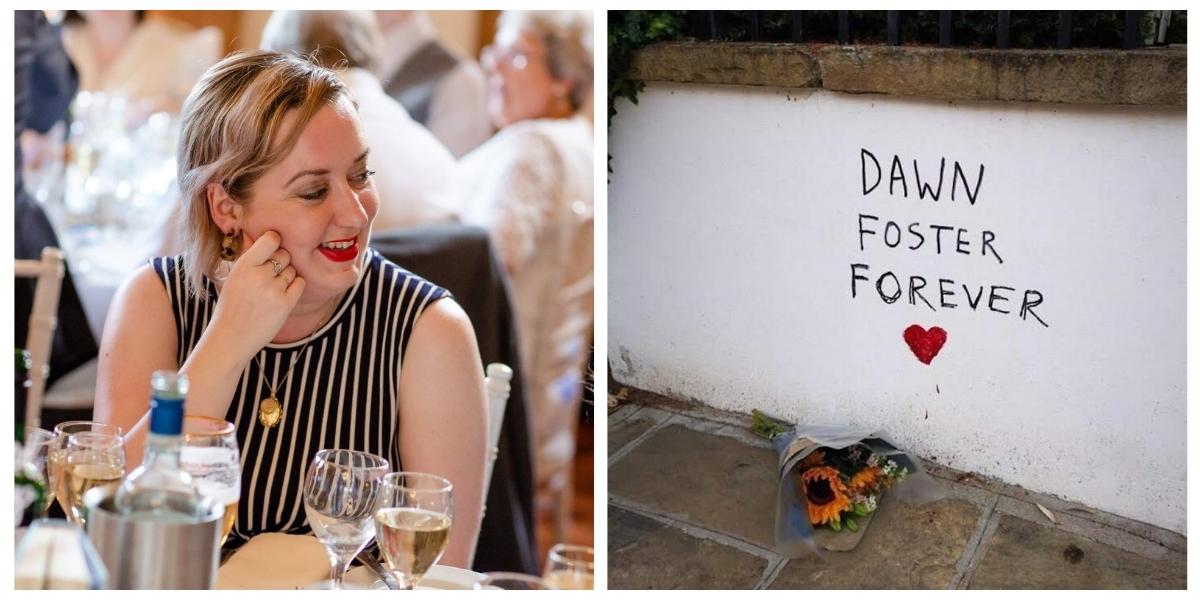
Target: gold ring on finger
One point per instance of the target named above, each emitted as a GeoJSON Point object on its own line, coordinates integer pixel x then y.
{"type": "Point", "coordinates": [278, 266]}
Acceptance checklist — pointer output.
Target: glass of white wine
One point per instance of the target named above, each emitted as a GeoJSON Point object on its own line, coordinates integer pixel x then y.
{"type": "Point", "coordinates": [413, 521]}
{"type": "Point", "coordinates": [570, 567]}
{"type": "Point", "coordinates": [56, 456]}
{"type": "Point", "coordinates": [93, 460]}
{"type": "Point", "coordinates": [340, 491]}
{"type": "Point", "coordinates": [210, 455]}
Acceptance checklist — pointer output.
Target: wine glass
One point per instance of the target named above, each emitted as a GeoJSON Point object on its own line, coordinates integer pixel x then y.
{"type": "Point", "coordinates": [56, 456]}
{"type": "Point", "coordinates": [413, 521]}
{"type": "Point", "coordinates": [510, 581]}
{"type": "Point", "coordinates": [93, 460]}
{"type": "Point", "coordinates": [210, 455]}
{"type": "Point", "coordinates": [570, 567]}
{"type": "Point", "coordinates": [340, 491]}
{"type": "Point", "coordinates": [32, 463]}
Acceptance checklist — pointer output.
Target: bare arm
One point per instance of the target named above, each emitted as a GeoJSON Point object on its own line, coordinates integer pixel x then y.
{"type": "Point", "coordinates": [443, 416]}
{"type": "Point", "coordinates": [139, 338]}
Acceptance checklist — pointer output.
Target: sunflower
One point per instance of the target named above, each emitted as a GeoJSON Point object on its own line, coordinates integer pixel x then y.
{"type": "Point", "coordinates": [816, 459]}
{"type": "Point", "coordinates": [864, 480]}
{"type": "Point", "coordinates": [826, 495]}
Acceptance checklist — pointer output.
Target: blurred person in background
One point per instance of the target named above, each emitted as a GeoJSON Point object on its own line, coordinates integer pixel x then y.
{"type": "Point", "coordinates": [440, 89]}
{"type": "Point", "coordinates": [150, 61]}
{"type": "Point", "coordinates": [531, 187]}
{"type": "Point", "coordinates": [415, 184]}
{"type": "Point", "coordinates": [44, 84]}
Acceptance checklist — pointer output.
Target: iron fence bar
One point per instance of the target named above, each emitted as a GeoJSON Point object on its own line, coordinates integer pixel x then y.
{"type": "Point", "coordinates": [1064, 29]}
{"type": "Point", "coordinates": [843, 27]}
{"type": "Point", "coordinates": [797, 27]}
{"type": "Point", "coordinates": [945, 32]}
{"type": "Point", "coordinates": [1129, 36]}
{"type": "Point", "coordinates": [755, 33]}
{"type": "Point", "coordinates": [712, 24]}
{"type": "Point", "coordinates": [893, 27]}
{"type": "Point", "coordinates": [1002, 29]}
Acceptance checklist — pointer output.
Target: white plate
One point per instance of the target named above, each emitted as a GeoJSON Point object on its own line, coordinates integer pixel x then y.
{"type": "Point", "coordinates": [439, 577]}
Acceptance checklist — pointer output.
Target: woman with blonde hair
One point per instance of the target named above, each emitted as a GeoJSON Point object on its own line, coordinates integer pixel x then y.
{"type": "Point", "coordinates": [531, 187]}
{"type": "Point", "coordinates": [284, 320]}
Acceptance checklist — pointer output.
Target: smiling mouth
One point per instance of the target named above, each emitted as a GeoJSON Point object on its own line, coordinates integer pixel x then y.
{"type": "Point", "coordinates": [340, 250]}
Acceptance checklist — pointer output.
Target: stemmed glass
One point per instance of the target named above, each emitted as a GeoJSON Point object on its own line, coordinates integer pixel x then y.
{"type": "Point", "coordinates": [340, 491]}
{"type": "Point", "coordinates": [570, 567]}
{"type": "Point", "coordinates": [94, 459]}
{"type": "Point", "coordinates": [34, 461]}
{"type": "Point", "coordinates": [56, 456]}
{"type": "Point", "coordinates": [413, 517]}
{"type": "Point", "coordinates": [210, 455]}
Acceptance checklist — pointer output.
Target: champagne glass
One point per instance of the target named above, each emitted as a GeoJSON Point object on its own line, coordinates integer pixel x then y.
{"type": "Point", "coordinates": [413, 521]}
{"type": "Point", "coordinates": [56, 456]}
{"type": "Point", "coordinates": [93, 460]}
{"type": "Point", "coordinates": [340, 491]}
{"type": "Point", "coordinates": [210, 455]}
{"type": "Point", "coordinates": [570, 567]}
{"type": "Point", "coordinates": [510, 581]}
{"type": "Point", "coordinates": [32, 462]}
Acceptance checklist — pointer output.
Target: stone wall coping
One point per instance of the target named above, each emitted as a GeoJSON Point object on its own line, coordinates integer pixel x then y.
{"type": "Point", "coordinates": [1146, 76]}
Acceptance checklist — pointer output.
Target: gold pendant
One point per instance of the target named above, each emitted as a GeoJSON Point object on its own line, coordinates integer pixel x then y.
{"type": "Point", "coordinates": [269, 412]}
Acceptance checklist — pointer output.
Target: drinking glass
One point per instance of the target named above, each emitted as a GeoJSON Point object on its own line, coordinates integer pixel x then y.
{"type": "Point", "coordinates": [570, 567]}
{"type": "Point", "coordinates": [210, 455]}
{"type": "Point", "coordinates": [510, 581]}
{"type": "Point", "coordinates": [56, 456]}
{"type": "Point", "coordinates": [340, 493]}
{"type": "Point", "coordinates": [32, 464]}
{"type": "Point", "coordinates": [93, 460]}
{"type": "Point", "coordinates": [413, 520]}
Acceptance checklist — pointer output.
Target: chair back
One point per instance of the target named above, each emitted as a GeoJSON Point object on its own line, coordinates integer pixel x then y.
{"type": "Point", "coordinates": [43, 319]}
{"type": "Point", "coordinates": [498, 379]}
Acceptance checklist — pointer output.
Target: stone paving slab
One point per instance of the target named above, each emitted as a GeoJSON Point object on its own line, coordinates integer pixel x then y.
{"type": "Point", "coordinates": [709, 479]}
{"type": "Point", "coordinates": [907, 547]}
{"type": "Point", "coordinates": [645, 554]}
{"type": "Point", "coordinates": [628, 429]}
{"type": "Point", "coordinates": [1026, 555]}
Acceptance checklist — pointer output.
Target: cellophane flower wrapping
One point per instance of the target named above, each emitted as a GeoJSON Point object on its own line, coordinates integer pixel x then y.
{"type": "Point", "coordinates": [794, 534]}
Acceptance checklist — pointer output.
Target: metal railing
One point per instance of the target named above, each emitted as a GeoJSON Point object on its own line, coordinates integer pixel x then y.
{"type": "Point", "coordinates": [712, 25]}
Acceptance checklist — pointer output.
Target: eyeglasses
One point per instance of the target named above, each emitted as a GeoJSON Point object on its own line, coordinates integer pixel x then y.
{"type": "Point", "coordinates": [493, 56]}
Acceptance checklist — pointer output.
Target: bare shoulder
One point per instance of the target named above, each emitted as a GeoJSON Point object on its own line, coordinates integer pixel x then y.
{"type": "Point", "coordinates": [141, 311]}
{"type": "Point", "coordinates": [443, 327]}
{"type": "Point", "coordinates": [139, 338]}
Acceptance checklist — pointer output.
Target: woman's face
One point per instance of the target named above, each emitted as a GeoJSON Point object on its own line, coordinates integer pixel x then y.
{"type": "Point", "coordinates": [520, 85]}
{"type": "Point", "coordinates": [321, 201]}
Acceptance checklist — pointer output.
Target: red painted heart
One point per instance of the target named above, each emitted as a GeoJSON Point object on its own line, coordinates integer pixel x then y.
{"type": "Point", "coordinates": [925, 344]}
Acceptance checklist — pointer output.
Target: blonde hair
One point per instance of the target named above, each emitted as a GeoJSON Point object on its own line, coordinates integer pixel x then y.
{"type": "Point", "coordinates": [232, 133]}
{"type": "Point", "coordinates": [567, 35]}
{"type": "Point", "coordinates": [336, 39]}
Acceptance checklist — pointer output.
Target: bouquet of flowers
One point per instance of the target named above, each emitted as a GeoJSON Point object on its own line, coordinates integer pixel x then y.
{"type": "Point", "coordinates": [841, 484]}
{"type": "Point", "coordinates": [832, 480]}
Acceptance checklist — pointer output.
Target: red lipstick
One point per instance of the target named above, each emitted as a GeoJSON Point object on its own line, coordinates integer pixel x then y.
{"type": "Point", "coordinates": [344, 254]}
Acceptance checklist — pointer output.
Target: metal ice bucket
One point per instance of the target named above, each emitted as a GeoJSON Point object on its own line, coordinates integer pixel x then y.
{"type": "Point", "coordinates": [144, 555]}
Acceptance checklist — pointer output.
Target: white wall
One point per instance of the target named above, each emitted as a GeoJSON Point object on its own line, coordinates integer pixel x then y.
{"type": "Point", "coordinates": [734, 224]}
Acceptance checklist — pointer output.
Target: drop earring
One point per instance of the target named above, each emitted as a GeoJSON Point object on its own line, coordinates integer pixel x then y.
{"type": "Point", "coordinates": [230, 246]}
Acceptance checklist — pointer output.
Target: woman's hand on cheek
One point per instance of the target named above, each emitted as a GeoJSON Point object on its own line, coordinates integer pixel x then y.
{"type": "Point", "coordinates": [259, 294]}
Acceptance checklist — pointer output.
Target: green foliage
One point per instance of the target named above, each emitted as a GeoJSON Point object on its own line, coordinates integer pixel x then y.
{"type": "Point", "coordinates": [628, 31]}
{"type": "Point", "coordinates": [764, 426]}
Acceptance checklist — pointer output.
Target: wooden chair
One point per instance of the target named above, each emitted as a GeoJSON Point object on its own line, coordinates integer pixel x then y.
{"type": "Point", "coordinates": [43, 319]}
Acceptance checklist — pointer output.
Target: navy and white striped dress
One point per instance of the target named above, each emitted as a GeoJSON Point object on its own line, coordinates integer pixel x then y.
{"type": "Point", "coordinates": [342, 392]}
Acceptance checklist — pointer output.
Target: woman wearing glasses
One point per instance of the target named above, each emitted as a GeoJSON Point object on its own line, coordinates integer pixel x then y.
{"type": "Point", "coordinates": [531, 187]}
